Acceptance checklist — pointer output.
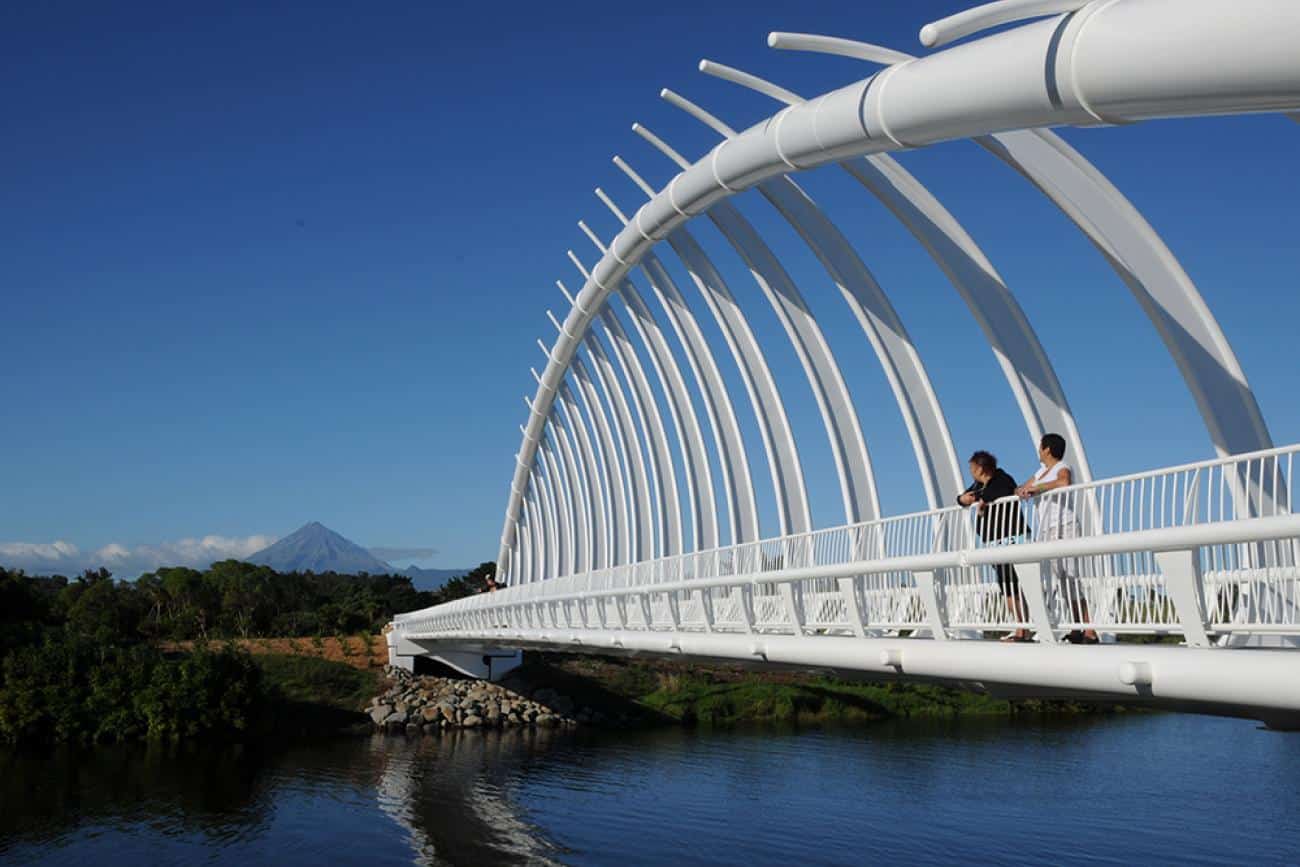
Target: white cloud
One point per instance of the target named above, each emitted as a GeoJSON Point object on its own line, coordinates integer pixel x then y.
{"type": "Point", "coordinates": [38, 552]}
{"type": "Point", "coordinates": [128, 561]}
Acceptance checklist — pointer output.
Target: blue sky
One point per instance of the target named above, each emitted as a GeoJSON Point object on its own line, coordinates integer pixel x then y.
{"type": "Point", "coordinates": [272, 263]}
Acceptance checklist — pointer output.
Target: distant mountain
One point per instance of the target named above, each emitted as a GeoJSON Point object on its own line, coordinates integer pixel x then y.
{"type": "Point", "coordinates": [431, 579]}
{"type": "Point", "coordinates": [316, 548]}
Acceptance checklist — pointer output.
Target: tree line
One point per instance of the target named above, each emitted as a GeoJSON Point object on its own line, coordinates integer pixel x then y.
{"type": "Point", "coordinates": [84, 658]}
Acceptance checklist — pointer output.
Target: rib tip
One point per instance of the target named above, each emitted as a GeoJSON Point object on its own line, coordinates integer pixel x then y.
{"type": "Point", "coordinates": [774, 39]}
{"type": "Point", "coordinates": [704, 65]}
{"type": "Point", "coordinates": [664, 93]}
{"type": "Point", "coordinates": [636, 127]}
{"type": "Point", "coordinates": [929, 35]}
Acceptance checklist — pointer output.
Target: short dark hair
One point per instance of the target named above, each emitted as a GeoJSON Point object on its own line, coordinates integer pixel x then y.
{"type": "Point", "coordinates": [1054, 443]}
{"type": "Point", "coordinates": [984, 460]}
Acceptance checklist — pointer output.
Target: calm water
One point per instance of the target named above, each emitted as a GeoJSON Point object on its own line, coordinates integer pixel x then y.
{"type": "Point", "coordinates": [1166, 789]}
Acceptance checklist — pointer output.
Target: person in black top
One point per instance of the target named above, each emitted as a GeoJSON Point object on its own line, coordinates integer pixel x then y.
{"type": "Point", "coordinates": [998, 521]}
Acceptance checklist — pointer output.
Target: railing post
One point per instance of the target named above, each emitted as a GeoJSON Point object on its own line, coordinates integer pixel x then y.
{"type": "Point", "coordinates": [1186, 587]}
{"type": "Point", "coordinates": [791, 606]}
{"type": "Point", "coordinates": [1031, 586]}
{"type": "Point", "coordinates": [925, 584]}
{"type": "Point", "coordinates": [745, 602]}
{"type": "Point", "coordinates": [647, 610]}
{"type": "Point", "coordinates": [673, 610]}
{"type": "Point", "coordinates": [849, 590]}
{"type": "Point", "coordinates": [706, 607]}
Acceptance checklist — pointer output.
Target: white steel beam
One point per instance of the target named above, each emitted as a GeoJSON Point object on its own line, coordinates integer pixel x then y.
{"type": "Point", "coordinates": [695, 462]}
{"type": "Point", "coordinates": [634, 458]}
{"type": "Point", "coordinates": [839, 417]}
{"type": "Point", "coordinates": [620, 529]}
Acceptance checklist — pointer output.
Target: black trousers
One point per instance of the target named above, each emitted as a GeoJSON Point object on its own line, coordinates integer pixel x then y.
{"type": "Point", "coordinates": [1007, 579]}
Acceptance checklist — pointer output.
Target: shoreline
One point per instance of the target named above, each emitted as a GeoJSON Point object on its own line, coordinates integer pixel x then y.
{"type": "Point", "coordinates": [613, 692]}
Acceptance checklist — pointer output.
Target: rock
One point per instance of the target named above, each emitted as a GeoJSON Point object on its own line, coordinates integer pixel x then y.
{"type": "Point", "coordinates": [412, 728]}
{"type": "Point", "coordinates": [380, 712]}
{"type": "Point", "coordinates": [396, 718]}
{"type": "Point", "coordinates": [429, 714]}
{"type": "Point", "coordinates": [548, 720]}
{"type": "Point", "coordinates": [472, 721]}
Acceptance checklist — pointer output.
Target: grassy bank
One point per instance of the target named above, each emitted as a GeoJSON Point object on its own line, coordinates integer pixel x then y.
{"type": "Point", "coordinates": [726, 695]}
{"type": "Point", "coordinates": [310, 695]}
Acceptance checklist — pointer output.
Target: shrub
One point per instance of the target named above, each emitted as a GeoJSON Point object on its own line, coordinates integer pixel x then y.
{"type": "Point", "coordinates": [68, 688]}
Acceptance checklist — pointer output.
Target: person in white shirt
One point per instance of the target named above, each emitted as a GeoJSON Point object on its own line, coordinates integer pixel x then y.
{"type": "Point", "coordinates": [1055, 520]}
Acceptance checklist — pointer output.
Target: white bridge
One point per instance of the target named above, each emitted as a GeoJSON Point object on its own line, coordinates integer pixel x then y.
{"type": "Point", "coordinates": [614, 530]}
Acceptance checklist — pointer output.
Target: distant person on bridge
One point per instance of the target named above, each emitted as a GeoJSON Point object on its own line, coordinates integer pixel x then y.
{"type": "Point", "coordinates": [1055, 522]}
{"type": "Point", "coordinates": [998, 521]}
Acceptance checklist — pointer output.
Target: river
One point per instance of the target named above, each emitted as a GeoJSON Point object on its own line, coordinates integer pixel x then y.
{"type": "Point", "coordinates": [1157, 788]}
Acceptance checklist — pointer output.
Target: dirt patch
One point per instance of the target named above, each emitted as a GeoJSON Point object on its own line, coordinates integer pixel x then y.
{"type": "Point", "coordinates": [358, 651]}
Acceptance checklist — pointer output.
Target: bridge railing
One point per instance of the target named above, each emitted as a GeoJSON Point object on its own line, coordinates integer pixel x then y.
{"type": "Point", "coordinates": [1099, 555]}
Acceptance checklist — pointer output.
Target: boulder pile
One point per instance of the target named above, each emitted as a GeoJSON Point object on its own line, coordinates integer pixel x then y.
{"type": "Point", "coordinates": [425, 704]}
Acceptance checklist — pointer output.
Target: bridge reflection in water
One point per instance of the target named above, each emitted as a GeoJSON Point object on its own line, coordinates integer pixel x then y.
{"type": "Point", "coordinates": [612, 540]}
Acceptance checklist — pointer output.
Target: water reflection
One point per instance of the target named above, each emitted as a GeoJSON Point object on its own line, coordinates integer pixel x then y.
{"type": "Point", "coordinates": [1149, 787]}
{"type": "Point", "coordinates": [451, 793]}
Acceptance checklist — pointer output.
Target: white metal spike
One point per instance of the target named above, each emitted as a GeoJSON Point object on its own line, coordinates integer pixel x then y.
{"type": "Point", "coordinates": [661, 145]}
{"type": "Point", "coordinates": [635, 178]}
{"type": "Point", "coordinates": [753, 82]}
{"type": "Point", "coordinates": [577, 263]}
{"type": "Point", "coordinates": [816, 44]}
{"type": "Point", "coordinates": [970, 21]}
{"type": "Point", "coordinates": [696, 112]}
{"type": "Point", "coordinates": [554, 321]}
{"type": "Point", "coordinates": [537, 376]}
{"type": "Point", "coordinates": [592, 235]}
{"type": "Point", "coordinates": [545, 351]}
{"type": "Point", "coordinates": [567, 294]}
{"type": "Point", "coordinates": [609, 203]}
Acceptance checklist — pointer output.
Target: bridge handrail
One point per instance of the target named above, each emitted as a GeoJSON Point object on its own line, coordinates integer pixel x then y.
{"type": "Point", "coordinates": [1104, 517]}
{"type": "Point", "coordinates": [1172, 538]}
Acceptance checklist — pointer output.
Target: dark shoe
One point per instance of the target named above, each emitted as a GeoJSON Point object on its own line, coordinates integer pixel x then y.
{"type": "Point", "coordinates": [1089, 639]}
{"type": "Point", "coordinates": [1074, 637]}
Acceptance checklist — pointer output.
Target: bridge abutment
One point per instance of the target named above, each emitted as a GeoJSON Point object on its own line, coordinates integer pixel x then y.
{"type": "Point", "coordinates": [484, 663]}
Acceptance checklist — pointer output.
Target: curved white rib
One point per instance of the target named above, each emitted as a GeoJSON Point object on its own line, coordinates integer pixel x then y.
{"type": "Point", "coordinates": [561, 506]}
{"type": "Point", "coordinates": [569, 493]}
{"type": "Point", "coordinates": [669, 527]}
{"type": "Point", "coordinates": [1137, 253]}
{"type": "Point", "coordinates": [686, 425]}
{"type": "Point", "coordinates": [793, 513]}
{"type": "Point", "coordinates": [618, 546]}
{"type": "Point", "coordinates": [733, 458]}
{"type": "Point", "coordinates": [1025, 364]}
{"type": "Point", "coordinates": [578, 485]}
{"type": "Point", "coordinates": [667, 518]}
{"type": "Point", "coordinates": [919, 405]}
{"type": "Point", "coordinates": [634, 458]}
{"type": "Point", "coordinates": [1117, 72]}
{"type": "Point", "coordinates": [1151, 271]}
{"type": "Point", "coordinates": [551, 511]}
{"type": "Point", "coordinates": [839, 417]}
{"type": "Point", "coordinates": [598, 494]}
